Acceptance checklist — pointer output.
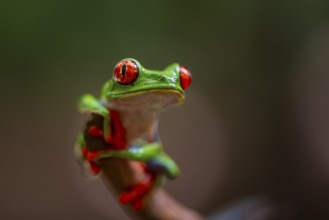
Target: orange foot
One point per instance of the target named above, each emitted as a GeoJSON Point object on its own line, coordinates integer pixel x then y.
{"type": "Point", "coordinates": [136, 194]}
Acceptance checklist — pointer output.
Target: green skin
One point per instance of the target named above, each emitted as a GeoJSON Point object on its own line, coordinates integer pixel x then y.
{"type": "Point", "coordinates": [167, 82]}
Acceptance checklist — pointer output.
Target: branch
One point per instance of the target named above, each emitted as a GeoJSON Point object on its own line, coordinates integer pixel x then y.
{"type": "Point", "coordinates": [120, 174]}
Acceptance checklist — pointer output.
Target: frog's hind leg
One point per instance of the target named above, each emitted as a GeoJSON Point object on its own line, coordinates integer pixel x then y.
{"type": "Point", "coordinates": [157, 168]}
{"type": "Point", "coordinates": [165, 165]}
{"type": "Point", "coordinates": [139, 203]}
{"type": "Point", "coordinates": [139, 193]}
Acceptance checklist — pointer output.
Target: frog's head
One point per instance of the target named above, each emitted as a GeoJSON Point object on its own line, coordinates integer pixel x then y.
{"type": "Point", "coordinates": [134, 86]}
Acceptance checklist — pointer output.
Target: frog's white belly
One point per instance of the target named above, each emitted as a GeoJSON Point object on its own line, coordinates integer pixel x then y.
{"type": "Point", "coordinates": [139, 123]}
{"type": "Point", "coordinates": [139, 112]}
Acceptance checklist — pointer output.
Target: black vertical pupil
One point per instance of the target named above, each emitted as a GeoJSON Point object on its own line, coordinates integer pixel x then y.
{"type": "Point", "coordinates": [123, 71]}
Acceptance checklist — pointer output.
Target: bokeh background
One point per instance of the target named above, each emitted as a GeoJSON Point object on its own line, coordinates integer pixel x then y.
{"type": "Point", "coordinates": [255, 124]}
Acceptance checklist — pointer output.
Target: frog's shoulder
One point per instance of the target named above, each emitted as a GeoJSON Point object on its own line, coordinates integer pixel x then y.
{"type": "Point", "coordinates": [107, 87]}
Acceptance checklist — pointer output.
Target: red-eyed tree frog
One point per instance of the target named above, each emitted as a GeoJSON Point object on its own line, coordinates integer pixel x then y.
{"type": "Point", "coordinates": [129, 106]}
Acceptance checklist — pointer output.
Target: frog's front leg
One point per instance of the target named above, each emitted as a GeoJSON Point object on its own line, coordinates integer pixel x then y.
{"type": "Point", "coordinates": [81, 155]}
{"type": "Point", "coordinates": [89, 104]}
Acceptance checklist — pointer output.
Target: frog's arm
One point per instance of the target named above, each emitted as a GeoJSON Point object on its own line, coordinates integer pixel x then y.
{"type": "Point", "coordinates": [78, 145]}
{"type": "Point", "coordinates": [78, 153]}
{"type": "Point", "coordinates": [89, 104]}
{"type": "Point", "coordinates": [144, 153]}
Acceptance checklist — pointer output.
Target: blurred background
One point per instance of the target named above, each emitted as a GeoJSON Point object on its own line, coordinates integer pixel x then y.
{"type": "Point", "coordinates": [252, 138]}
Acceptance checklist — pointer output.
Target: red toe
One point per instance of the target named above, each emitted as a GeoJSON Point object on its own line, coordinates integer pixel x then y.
{"type": "Point", "coordinates": [92, 155]}
{"type": "Point", "coordinates": [137, 192]}
{"type": "Point", "coordinates": [95, 132]}
{"type": "Point", "coordinates": [138, 205]}
{"type": "Point", "coordinates": [95, 168]}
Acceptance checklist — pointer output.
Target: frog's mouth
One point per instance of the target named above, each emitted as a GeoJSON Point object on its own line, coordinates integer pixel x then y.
{"type": "Point", "coordinates": [157, 99]}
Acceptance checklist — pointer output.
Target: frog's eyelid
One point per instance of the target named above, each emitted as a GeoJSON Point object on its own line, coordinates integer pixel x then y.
{"type": "Point", "coordinates": [133, 61]}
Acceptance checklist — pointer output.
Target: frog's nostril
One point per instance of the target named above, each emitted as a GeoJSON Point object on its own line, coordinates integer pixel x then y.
{"type": "Point", "coordinates": [185, 77]}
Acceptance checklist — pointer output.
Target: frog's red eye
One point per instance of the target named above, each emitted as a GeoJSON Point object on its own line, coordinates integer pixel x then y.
{"type": "Point", "coordinates": [126, 72]}
{"type": "Point", "coordinates": [185, 77]}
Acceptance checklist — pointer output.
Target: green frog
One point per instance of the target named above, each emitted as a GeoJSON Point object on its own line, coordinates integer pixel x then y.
{"type": "Point", "coordinates": [128, 110]}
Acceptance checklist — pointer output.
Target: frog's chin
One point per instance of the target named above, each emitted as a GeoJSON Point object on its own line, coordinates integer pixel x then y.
{"type": "Point", "coordinates": [155, 99]}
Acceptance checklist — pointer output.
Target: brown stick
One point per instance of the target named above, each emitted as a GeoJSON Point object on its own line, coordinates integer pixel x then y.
{"type": "Point", "coordinates": [119, 175]}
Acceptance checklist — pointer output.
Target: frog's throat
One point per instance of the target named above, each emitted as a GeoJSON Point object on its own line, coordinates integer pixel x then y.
{"type": "Point", "coordinates": [171, 96]}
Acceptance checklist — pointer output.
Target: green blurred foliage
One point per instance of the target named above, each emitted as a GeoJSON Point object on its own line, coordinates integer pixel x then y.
{"type": "Point", "coordinates": [237, 50]}
{"type": "Point", "coordinates": [240, 38]}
